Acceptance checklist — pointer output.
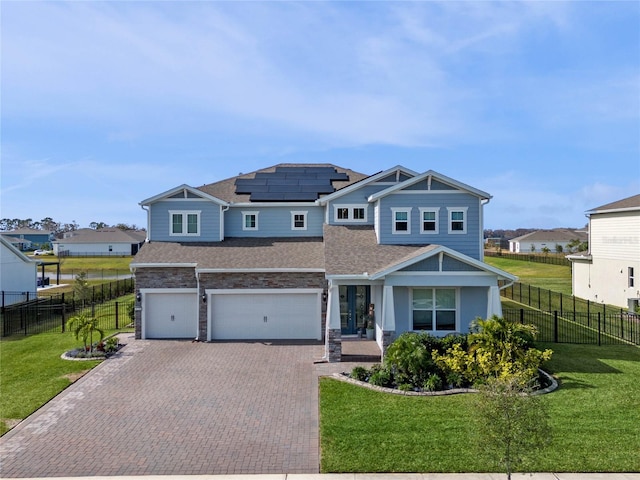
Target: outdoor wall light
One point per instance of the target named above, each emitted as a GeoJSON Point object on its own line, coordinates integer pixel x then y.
{"type": "Point", "coordinates": [138, 297]}
{"type": "Point", "coordinates": [204, 298]}
{"type": "Point", "coordinates": [324, 296]}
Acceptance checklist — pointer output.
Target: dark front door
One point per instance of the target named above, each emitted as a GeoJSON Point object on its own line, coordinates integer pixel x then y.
{"type": "Point", "coordinates": [354, 303]}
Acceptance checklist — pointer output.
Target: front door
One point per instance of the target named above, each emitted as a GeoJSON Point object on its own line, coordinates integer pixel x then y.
{"type": "Point", "coordinates": [354, 303]}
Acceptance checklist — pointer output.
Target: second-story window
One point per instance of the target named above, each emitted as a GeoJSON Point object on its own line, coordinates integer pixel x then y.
{"type": "Point", "coordinates": [185, 223]}
{"type": "Point", "coordinates": [350, 213]}
{"type": "Point", "coordinates": [298, 220]}
{"type": "Point", "coordinates": [457, 219]}
{"type": "Point", "coordinates": [249, 220]}
{"type": "Point", "coordinates": [429, 220]}
{"type": "Point", "coordinates": [401, 220]}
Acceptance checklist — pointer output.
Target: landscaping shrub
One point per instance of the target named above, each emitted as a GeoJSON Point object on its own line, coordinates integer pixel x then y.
{"type": "Point", "coordinates": [360, 373]}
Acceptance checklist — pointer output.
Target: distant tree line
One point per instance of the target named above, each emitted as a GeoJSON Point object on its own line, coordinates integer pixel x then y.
{"type": "Point", "coordinates": [49, 224]}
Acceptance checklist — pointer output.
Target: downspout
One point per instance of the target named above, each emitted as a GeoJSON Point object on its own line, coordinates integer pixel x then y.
{"type": "Point", "coordinates": [148, 223]}
{"type": "Point", "coordinates": [483, 202]}
{"type": "Point", "coordinates": [223, 208]}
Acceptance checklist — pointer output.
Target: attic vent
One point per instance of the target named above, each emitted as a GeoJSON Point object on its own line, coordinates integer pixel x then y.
{"type": "Point", "coordinates": [290, 184]}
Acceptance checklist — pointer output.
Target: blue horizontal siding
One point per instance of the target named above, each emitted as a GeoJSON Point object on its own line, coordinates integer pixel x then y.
{"type": "Point", "coordinates": [468, 244]}
{"type": "Point", "coordinates": [274, 221]}
{"type": "Point", "coordinates": [357, 197]}
{"type": "Point", "coordinates": [160, 220]}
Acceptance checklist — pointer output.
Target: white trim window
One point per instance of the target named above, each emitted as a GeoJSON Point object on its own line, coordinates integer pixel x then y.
{"type": "Point", "coordinates": [434, 309]}
{"type": "Point", "coordinates": [298, 220]}
{"type": "Point", "coordinates": [457, 219]}
{"type": "Point", "coordinates": [350, 213]}
{"type": "Point", "coordinates": [429, 220]}
{"type": "Point", "coordinates": [250, 220]}
{"type": "Point", "coordinates": [401, 218]}
{"type": "Point", "coordinates": [184, 223]}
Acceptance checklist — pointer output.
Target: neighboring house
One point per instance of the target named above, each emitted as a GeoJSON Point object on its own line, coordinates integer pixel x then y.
{"type": "Point", "coordinates": [18, 273]}
{"type": "Point", "coordinates": [30, 238]}
{"type": "Point", "coordinates": [610, 271]}
{"type": "Point", "coordinates": [105, 242]}
{"type": "Point", "coordinates": [307, 251]}
{"type": "Point", "coordinates": [541, 239]}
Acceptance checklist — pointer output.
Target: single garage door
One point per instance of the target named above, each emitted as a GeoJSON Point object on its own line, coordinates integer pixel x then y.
{"type": "Point", "coordinates": [170, 315]}
{"type": "Point", "coordinates": [265, 314]}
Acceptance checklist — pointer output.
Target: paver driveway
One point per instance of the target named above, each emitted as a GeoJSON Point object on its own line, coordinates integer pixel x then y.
{"type": "Point", "coordinates": [176, 407]}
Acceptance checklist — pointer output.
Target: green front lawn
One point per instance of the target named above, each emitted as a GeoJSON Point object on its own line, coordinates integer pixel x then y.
{"type": "Point", "coordinates": [595, 420]}
{"type": "Point", "coordinates": [32, 373]}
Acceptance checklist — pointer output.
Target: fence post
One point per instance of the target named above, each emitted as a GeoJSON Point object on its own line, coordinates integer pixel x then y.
{"type": "Point", "coordinates": [621, 325]}
{"type": "Point", "coordinates": [555, 326]}
{"type": "Point", "coordinates": [549, 299]}
{"type": "Point", "coordinates": [588, 313]}
{"type": "Point", "coordinates": [522, 316]}
{"type": "Point", "coordinates": [116, 315]}
{"type": "Point", "coordinates": [599, 339]}
{"type": "Point", "coordinates": [561, 305]}
{"type": "Point", "coordinates": [539, 306]}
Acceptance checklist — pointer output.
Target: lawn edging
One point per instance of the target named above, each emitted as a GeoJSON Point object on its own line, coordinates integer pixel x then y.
{"type": "Point", "coordinates": [344, 377]}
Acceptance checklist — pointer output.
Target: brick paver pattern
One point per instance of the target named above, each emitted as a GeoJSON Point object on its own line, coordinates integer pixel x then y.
{"type": "Point", "coordinates": [176, 407]}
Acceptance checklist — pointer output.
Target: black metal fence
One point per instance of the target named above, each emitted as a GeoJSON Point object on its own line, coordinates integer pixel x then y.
{"type": "Point", "coordinates": [43, 312]}
{"type": "Point", "coordinates": [550, 258]}
{"type": "Point", "coordinates": [580, 328]}
{"type": "Point", "coordinates": [549, 301]}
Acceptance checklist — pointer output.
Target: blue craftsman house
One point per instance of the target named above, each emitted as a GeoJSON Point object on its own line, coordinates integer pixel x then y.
{"type": "Point", "coordinates": [312, 251]}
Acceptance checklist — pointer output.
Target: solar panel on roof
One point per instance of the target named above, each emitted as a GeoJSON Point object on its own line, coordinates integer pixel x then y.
{"type": "Point", "coordinates": [290, 184]}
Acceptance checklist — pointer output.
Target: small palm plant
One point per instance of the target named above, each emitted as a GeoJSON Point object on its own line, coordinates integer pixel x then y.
{"type": "Point", "coordinates": [85, 327]}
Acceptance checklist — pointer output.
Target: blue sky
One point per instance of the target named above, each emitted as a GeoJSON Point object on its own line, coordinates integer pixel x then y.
{"type": "Point", "coordinates": [105, 104]}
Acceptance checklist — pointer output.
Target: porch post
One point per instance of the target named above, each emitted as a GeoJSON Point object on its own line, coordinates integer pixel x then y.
{"type": "Point", "coordinates": [333, 337]}
{"type": "Point", "coordinates": [388, 318]}
{"type": "Point", "coordinates": [494, 306]}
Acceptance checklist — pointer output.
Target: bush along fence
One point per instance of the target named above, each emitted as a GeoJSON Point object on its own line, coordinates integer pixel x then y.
{"type": "Point", "coordinates": [550, 258]}
{"type": "Point", "coordinates": [38, 314]}
{"type": "Point", "coordinates": [568, 319]}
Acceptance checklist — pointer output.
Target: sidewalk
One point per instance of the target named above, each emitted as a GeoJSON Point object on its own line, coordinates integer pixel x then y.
{"type": "Point", "coordinates": [376, 476]}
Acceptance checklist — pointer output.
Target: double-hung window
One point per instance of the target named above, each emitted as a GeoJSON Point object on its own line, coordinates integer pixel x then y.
{"type": "Point", "coordinates": [298, 220]}
{"type": "Point", "coordinates": [401, 220]}
{"type": "Point", "coordinates": [429, 220]}
{"type": "Point", "coordinates": [434, 309]}
{"type": "Point", "coordinates": [457, 219]}
{"type": "Point", "coordinates": [184, 223]}
{"type": "Point", "coordinates": [350, 213]}
{"type": "Point", "coordinates": [250, 220]}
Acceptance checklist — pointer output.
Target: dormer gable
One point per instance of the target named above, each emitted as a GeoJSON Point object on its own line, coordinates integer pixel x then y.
{"type": "Point", "coordinates": [430, 181]}
{"type": "Point", "coordinates": [392, 175]}
{"type": "Point", "coordinates": [182, 192]}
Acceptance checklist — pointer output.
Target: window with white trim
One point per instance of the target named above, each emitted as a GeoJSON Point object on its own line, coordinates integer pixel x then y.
{"type": "Point", "coordinates": [299, 220]}
{"type": "Point", "coordinates": [250, 220]}
{"type": "Point", "coordinates": [184, 223]}
{"type": "Point", "coordinates": [434, 309]}
{"type": "Point", "coordinates": [401, 220]}
{"type": "Point", "coordinates": [457, 219]}
{"type": "Point", "coordinates": [350, 213]}
{"type": "Point", "coordinates": [632, 281]}
{"type": "Point", "coordinates": [429, 220]}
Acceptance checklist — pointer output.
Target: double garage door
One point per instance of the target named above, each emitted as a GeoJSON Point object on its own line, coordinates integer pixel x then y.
{"type": "Point", "coordinates": [262, 314]}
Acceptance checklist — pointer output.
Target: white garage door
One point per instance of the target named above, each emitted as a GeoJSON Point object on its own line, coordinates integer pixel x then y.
{"type": "Point", "coordinates": [265, 314]}
{"type": "Point", "coordinates": [170, 315]}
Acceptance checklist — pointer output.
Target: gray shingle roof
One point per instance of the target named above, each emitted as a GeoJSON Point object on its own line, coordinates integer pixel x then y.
{"type": "Point", "coordinates": [558, 235]}
{"type": "Point", "coordinates": [353, 250]}
{"type": "Point", "coordinates": [112, 235]}
{"type": "Point", "coordinates": [226, 189]}
{"type": "Point", "coordinates": [238, 253]}
{"type": "Point", "coordinates": [626, 203]}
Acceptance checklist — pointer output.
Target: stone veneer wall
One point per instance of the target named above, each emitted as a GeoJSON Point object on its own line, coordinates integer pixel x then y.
{"type": "Point", "coordinates": [185, 278]}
